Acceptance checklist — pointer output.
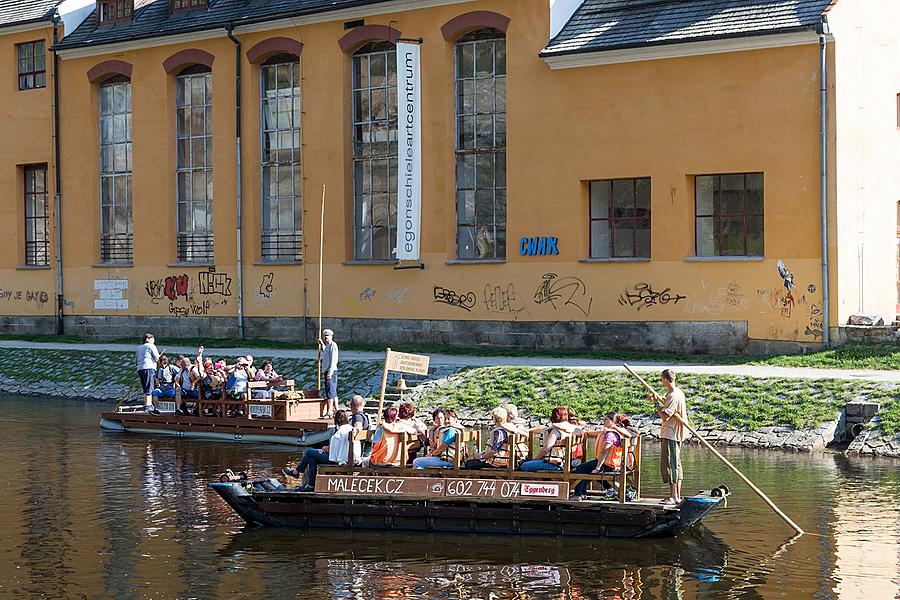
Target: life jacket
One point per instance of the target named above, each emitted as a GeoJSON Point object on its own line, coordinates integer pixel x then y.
{"type": "Point", "coordinates": [614, 456]}
{"type": "Point", "coordinates": [522, 449]}
{"type": "Point", "coordinates": [500, 459]}
{"type": "Point", "coordinates": [387, 448]}
{"type": "Point", "coordinates": [449, 454]}
{"type": "Point", "coordinates": [557, 454]}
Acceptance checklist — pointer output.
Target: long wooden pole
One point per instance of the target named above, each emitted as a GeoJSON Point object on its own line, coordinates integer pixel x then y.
{"type": "Point", "coordinates": [387, 357]}
{"type": "Point", "coordinates": [321, 266]}
{"type": "Point", "coordinates": [734, 469]}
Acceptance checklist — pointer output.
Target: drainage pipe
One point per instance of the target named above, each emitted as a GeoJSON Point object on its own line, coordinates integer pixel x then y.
{"type": "Point", "coordinates": [239, 196]}
{"type": "Point", "coordinates": [823, 140]}
{"type": "Point", "coordinates": [57, 200]}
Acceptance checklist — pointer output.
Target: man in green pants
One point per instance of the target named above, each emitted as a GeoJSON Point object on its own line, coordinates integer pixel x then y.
{"type": "Point", "coordinates": [671, 434]}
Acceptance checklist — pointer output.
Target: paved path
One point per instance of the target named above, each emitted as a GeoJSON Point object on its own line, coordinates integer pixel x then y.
{"type": "Point", "coordinates": [506, 361]}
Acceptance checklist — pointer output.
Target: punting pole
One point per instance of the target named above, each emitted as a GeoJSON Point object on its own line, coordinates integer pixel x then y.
{"type": "Point", "coordinates": [321, 264]}
{"type": "Point", "coordinates": [703, 441]}
{"type": "Point", "coordinates": [124, 398]}
{"type": "Point", "coordinates": [387, 356]}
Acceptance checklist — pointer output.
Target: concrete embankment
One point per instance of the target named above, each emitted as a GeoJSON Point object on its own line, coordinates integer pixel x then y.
{"type": "Point", "coordinates": [776, 414]}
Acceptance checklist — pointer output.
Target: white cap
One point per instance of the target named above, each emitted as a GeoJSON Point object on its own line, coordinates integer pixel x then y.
{"type": "Point", "coordinates": [327, 332]}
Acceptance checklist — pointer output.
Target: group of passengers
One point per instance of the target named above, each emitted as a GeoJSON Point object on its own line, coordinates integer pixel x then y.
{"type": "Point", "coordinates": [438, 445]}
{"type": "Point", "coordinates": [185, 380]}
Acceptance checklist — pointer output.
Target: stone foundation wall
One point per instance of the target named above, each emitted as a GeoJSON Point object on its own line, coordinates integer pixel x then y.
{"type": "Point", "coordinates": [697, 337]}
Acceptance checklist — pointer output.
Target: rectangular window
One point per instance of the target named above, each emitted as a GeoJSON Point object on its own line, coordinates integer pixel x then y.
{"type": "Point", "coordinates": [193, 96]}
{"type": "Point", "coordinates": [481, 146]}
{"type": "Point", "coordinates": [114, 10]}
{"type": "Point", "coordinates": [37, 216]}
{"type": "Point", "coordinates": [32, 65]}
{"type": "Point", "coordinates": [729, 214]}
{"type": "Point", "coordinates": [375, 152]}
{"type": "Point", "coordinates": [281, 235]}
{"type": "Point", "coordinates": [116, 235]}
{"type": "Point", "coordinates": [620, 218]}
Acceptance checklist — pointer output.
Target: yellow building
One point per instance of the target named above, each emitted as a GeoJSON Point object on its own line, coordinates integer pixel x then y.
{"type": "Point", "coordinates": [631, 175]}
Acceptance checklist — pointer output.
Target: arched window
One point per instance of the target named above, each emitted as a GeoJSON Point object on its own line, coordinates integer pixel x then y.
{"type": "Point", "coordinates": [481, 145]}
{"type": "Point", "coordinates": [116, 233]}
{"type": "Point", "coordinates": [281, 232]}
{"type": "Point", "coordinates": [193, 105]}
{"type": "Point", "coordinates": [375, 151]}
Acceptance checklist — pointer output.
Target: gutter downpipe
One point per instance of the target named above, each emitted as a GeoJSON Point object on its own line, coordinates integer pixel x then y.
{"type": "Point", "coordinates": [823, 140]}
{"type": "Point", "coordinates": [57, 201]}
{"type": "Point", "coordinates": [239, 197]}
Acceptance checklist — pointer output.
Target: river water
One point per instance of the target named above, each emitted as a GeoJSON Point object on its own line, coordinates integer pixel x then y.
{"type": "Point", "coordinates": [88, 514]}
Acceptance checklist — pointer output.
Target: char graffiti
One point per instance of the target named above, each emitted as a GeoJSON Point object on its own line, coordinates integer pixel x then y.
{"type": "Point", "coordinates": [567, 291]}
{"type": "Point", "coordinates": [502, 300]}
{"type": "Point", "coordinates": [464, 300]}
{"type": "Point", "coordinates": [267, 286]}
{"type": "Point", "coordinates": [214, 284]}
{"type": "Point", "coordinates": [176, 287]}
{"type": "Point", "coordinates": [642, 295]}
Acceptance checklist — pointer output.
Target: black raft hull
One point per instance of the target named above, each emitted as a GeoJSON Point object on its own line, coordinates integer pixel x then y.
{"type": "Point", "coordinates": [268, 503]}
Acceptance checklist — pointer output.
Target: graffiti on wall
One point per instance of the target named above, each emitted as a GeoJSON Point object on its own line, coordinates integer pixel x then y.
{"type": "Point", "coordinates": [214, 284]}
{"type": "Point", "coordinates": [642, 295]}
{"type": "Point", "coordinates": [815, 327]}
{"type": "Point", "coordinates": [110, 294]}
{"type": "Point", "coordinates": [170, 288]}
{"type": "Point", "coordinates": [502, 300]}
{"type": "Point", "coordinates": [367, 295]}
{"type": "Point", "coordinates": [563, 291]}
{"type": "Point", "coordinates": [267, 287]}
{"type": "Point", "coordinates": [38, 297]}
{"type": "Point", "coordinates": [464, 300]}
{"type": "Point", "coordinates": [714, 301]}
{"type": "Point", "coordinates": [397, 294]}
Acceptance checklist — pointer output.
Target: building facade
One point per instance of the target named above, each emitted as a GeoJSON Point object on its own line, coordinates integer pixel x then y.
{"type": "Point", "coordinates": [594, 174]}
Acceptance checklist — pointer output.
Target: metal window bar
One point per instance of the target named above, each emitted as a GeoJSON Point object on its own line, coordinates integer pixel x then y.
{"type": "Point", "coordinates": [480, 77]}
{"type": "Point", "coordinates": [282, 247]}
{"type": "Point", "coordinates": [117, 248]}
{"type": "Point", "coordinates": [37, 217]}
{"type": "Point", "coordinates": [195, 248]}
{"type": "Point", "coordinates": [280, 168]}
{"type": "Point", "coordinates": [375, 152]}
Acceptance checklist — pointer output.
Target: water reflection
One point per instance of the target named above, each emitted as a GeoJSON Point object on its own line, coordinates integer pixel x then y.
{"type": "Point", "coordinates": [96, 515]}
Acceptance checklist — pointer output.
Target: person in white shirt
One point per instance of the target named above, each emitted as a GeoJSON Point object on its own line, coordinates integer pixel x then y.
{"type": "Point", "coordinates": [329, 366]}
{"type": "Point", "coordinates": [671, 435]}
{"type": "Point", "coordinates": [335, 453]}
{"type": "Point", "coordinates": [146, 358]}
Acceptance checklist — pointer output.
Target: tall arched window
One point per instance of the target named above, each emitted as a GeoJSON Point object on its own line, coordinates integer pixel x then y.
{"type": "Point", "coordinates": [280, 150]}
{"type": "Point", "coordinates": [481, 145]}
{"type": "Point", "coordinates": [116, 233]}
{"type": "Point", "coordinates": [193, 101]}
{"type": "Point", "coordinates": [375, 151]}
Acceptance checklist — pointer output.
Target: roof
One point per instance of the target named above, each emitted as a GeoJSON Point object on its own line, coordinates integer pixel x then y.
{"type": "Point", "coordinates": [17, 12]}
{"type": "Point", "coordinates": [153, 19]}
{"type": "Point", "coordinates": [599, 25]}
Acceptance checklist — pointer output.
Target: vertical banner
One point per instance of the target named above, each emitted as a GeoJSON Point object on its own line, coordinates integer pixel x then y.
{"type": "Point", "coordinates": [409, 152]}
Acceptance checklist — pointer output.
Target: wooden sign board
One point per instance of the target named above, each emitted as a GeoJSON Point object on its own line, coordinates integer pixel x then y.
{"type": "Point", "coordinates": [261, 410]}
{"type": "Point", "coordinates": [407, 363]}
{"type": "Point", "coordinates": [432, 487]}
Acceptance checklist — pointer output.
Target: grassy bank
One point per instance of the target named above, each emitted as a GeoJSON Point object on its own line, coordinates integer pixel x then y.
{"type": "Point", "coordinates": [877, 357]}
{"type": "Point", "coordinates": [714, 400]}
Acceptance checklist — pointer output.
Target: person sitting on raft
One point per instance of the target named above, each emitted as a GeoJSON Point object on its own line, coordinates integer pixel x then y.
{"type": "Point", "coordinates": [166, 375]}
{"type": "Point", "coordinates": [496, 455]}
{"type": "Point", "coordinates": [406, 414]}
{"type": "Point", "coordinates": [268, 374]}
{"type": "Point", "coordinates": [551, 455]}
{"type": "Point", "coordinates": [335, 453]}
{"type": "Point", "coordinates": [442, 455]}
{"type": "Point", "coordinates": [387, 445]}
{"type": "Point", "coordinates": [358, 418]}
{"type": "Point", "coordinates": [608, 450]}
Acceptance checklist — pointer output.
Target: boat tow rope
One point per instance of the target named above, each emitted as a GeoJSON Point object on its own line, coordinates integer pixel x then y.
{"type": "Point", "coordinates": [656, 398]}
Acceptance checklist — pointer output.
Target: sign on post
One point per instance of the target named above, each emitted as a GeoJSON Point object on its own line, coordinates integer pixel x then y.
{"type": "Point", "coordinates": [409, 151]}
{"type": "Point", "coordinates": [402, 362]}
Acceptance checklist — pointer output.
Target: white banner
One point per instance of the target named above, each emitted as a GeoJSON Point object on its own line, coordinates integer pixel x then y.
{"type": "Point", "coordinates": [409, 151]}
